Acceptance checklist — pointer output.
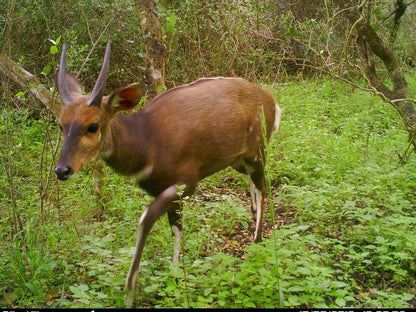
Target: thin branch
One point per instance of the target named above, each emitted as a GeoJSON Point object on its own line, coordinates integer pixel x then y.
{"type": "Point", "coordinates": [97, 41]}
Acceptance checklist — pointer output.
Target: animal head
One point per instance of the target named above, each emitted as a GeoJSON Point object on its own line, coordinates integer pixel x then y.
{"type": "Point", "coordinates": [84, 119]}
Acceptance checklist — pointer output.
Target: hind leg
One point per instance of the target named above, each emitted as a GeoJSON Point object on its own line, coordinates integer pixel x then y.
{"type": "Point", "coordinates": [255, 172]}
{"type": "Point", "coordinates": [175, 221]}
{"type": "Point", "coordinates": [176, 226]}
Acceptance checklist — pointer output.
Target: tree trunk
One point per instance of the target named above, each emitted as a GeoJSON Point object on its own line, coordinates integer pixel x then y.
{"type": "Point", "coordinates": [401, 7]}
{"type": "Point", "coordinates": [155, 48]}
{"type": "Point", "coordinates": [369, 44]}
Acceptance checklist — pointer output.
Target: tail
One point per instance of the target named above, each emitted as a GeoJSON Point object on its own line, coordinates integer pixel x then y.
{"type": "Point", "coordinates": [277, 117]}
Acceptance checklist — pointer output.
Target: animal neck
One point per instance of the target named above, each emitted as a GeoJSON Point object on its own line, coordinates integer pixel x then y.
{"type": "Point", "coordinates": [124, 144]}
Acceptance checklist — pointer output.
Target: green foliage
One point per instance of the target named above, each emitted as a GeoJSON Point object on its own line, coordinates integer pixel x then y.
{"type": "Point", "coordinates": [344, 177]}
{"type": "Point", "coordinates": [343, 234]}
{"type": "Point", "coordinates": [341, 201]}
{"type": "Point", "coordinates": [218, 38]}
{"type": "Point", "coordinates": [40, 23]}
{"type": "Point", "coordinates": [258, 40]}
{"type": "Point", "coordinates": [52, 50]}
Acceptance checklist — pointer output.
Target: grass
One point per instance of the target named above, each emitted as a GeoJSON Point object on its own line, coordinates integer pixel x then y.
{"type": "Point", "coordinates": [344, 231]}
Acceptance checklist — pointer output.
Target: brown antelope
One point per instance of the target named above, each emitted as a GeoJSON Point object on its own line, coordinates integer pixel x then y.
{"type": "Point", "coordinates": [179, 138]}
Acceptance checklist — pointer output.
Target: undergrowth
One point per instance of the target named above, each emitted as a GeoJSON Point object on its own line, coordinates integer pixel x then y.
{"type": "Point", "coordinates": [336, 168]}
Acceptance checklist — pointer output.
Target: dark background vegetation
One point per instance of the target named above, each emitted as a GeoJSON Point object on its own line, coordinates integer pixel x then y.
{"type": "Point", "coordinates": [341, 226]}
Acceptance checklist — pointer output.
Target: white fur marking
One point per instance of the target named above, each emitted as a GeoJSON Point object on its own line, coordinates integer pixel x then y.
{"type": "Point", "coordinates": [142, 217]}
{"type": "Point", "coordinates": [252, 195]}
{"type": "Point", "coordinates": [259, 209]}
{"type": "Point", "coordinates": [145, 172]}
{"type": "Point", "coordinates": [278, 116]}
{"type": "Point", "coordinates": [259, 198]}
{"type": "Point", "coordinates": [177, 244]}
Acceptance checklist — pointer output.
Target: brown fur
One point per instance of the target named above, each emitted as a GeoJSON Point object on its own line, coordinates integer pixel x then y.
{"type": "Point", "coordinates": [179, 138]}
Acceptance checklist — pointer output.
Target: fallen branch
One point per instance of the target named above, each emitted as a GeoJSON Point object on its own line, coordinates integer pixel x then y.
{"type": "Point", "coordinates": [28, 81]}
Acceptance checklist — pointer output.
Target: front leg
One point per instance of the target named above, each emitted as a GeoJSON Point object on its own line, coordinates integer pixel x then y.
{"type": "Point", "coordinates": [158, 207]}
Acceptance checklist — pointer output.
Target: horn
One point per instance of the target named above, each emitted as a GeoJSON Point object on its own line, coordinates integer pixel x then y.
{"type": "Point", "coordinates": [60, 78]}
{"type": "Point", "coordinates": [98, 91]}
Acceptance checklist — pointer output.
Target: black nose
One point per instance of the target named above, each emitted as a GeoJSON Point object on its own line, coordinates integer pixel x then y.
{"type": "Point", "coordinates": [63, 172]}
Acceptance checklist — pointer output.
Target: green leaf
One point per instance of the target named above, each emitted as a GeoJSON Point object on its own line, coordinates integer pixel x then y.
{"type": "Point", "coordinates": [293, 300]}
{"type": "Point", "coordinates": [340, 302]}
{"type": "Point", "coordinates": [80, 291]}
{"type": "Point", "coordinates": [377, 11]}
{"type": "Point", "coordinates": [407, 296]}
{"type": "Point", "coordinates": [20, 95]}
{"type": "Point", "coordinates": [207, 291]}
{"type": "Point", "coordinates": [381, 239]}
{"type": "Point", "coordinates": [375, 27]}
{"type": "Point", "coordinates": [302, 227]}
{"type": "Point", "coordinates": [296, 288]}
{"type": "Point", "coordinates": [249, 305]}
{"type": "Point", "coordinates": [171, 21]}
{"type": "Point", "coordinates": [101, 295]}
{"type": "Point", "coordinates": [304, 270]}
{"type": "Point", "coordinates": [53, 50]}
{"type": "Point", "coordinates": [151, 288]}
{"type": "Point", "coordinates": [52, 239]}
{"type": "Point", "coordinates": [47, 69]}
{"type": "Point", "coordinates": [339, 284]}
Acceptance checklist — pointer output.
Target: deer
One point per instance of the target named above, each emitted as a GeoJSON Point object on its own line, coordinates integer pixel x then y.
{"type": "Point", "coordinates": [170, 144]}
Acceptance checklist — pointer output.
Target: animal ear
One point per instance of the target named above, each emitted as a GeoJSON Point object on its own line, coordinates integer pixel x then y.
{"type": "Point", "coordinates": [73, 84]}
{"type": "Point", "coordinates": [71, 88]}
{"type": "Point", "coordinates": [125, 99]}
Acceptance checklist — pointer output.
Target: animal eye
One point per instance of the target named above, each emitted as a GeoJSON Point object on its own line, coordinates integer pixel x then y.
{"type": "Point", "coordinates": [93, 128]}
